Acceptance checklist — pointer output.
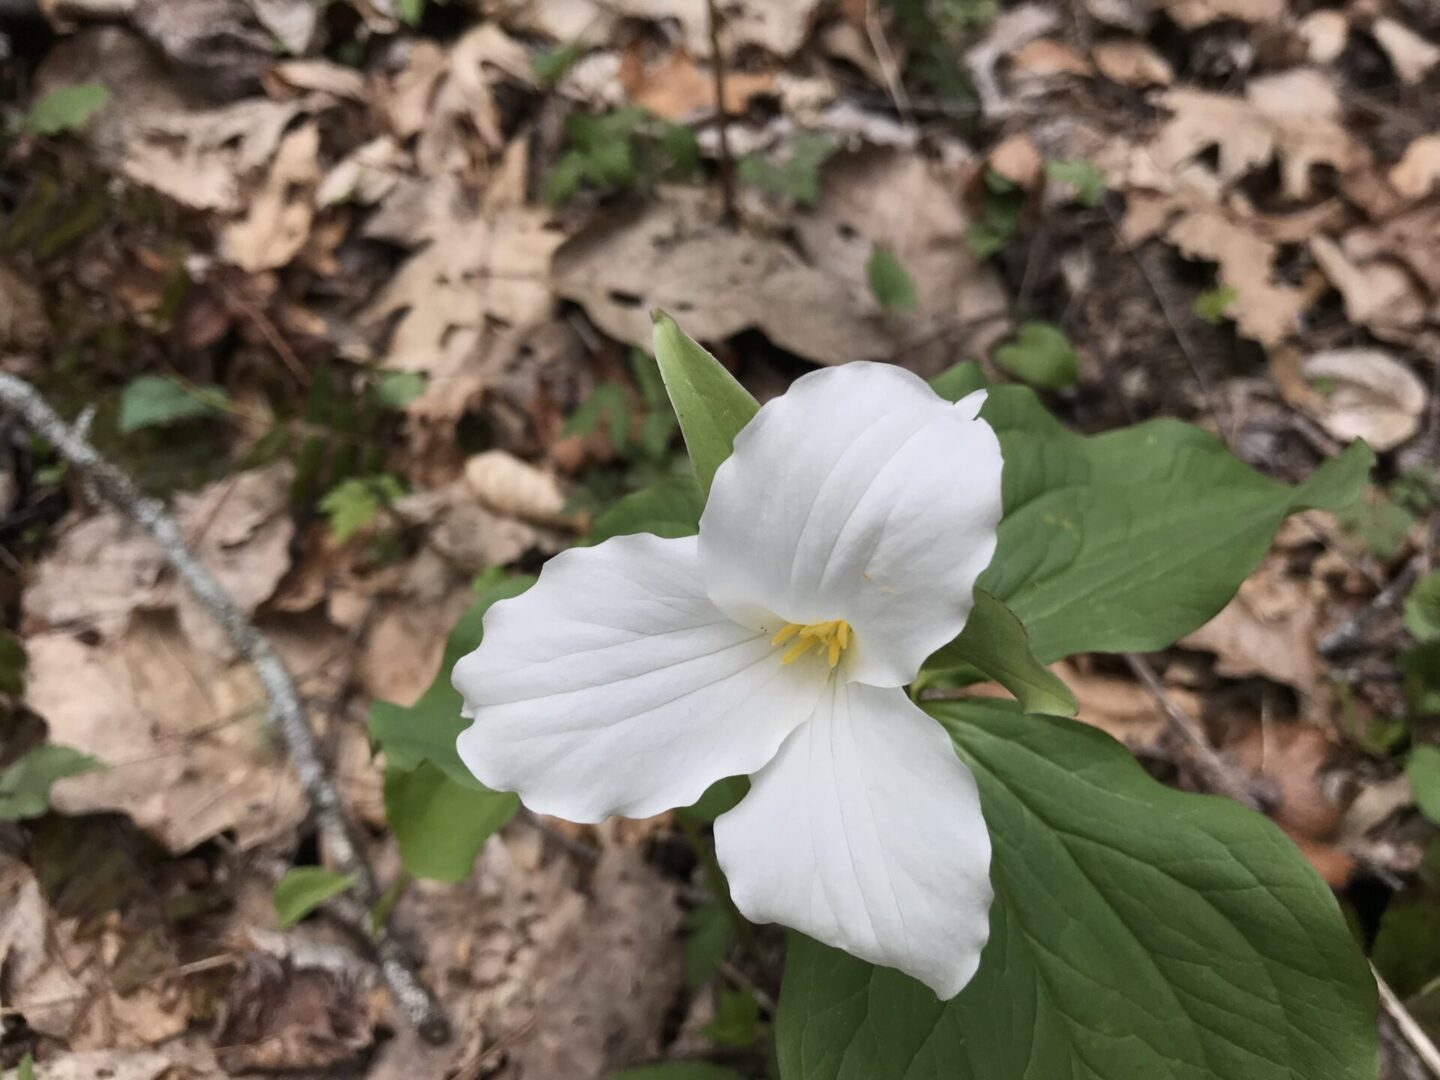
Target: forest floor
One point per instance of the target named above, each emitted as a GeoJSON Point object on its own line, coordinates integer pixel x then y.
{"type": "Point", "coordinates": [362, 290]}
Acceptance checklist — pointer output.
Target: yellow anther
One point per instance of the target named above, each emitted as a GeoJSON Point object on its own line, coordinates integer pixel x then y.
{"type": "Point", "coordinates": [832, 638]}
{"type": "Point", "coordinates": [786, 633]}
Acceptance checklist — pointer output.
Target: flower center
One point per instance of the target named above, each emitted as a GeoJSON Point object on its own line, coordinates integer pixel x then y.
{"type": "Point", "coordinates": [831, 638]}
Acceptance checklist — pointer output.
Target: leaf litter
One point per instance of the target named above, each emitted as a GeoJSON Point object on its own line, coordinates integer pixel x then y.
{"type": "Point", "coordinates": [372, 198]}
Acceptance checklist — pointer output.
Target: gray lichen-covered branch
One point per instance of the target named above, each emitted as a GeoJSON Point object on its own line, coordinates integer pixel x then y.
{"type": "Point", "coordinates": [286, 712]}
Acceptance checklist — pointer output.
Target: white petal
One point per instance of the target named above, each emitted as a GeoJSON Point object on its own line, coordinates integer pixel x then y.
{"type": "Point", "coordinates": [861, 495]}
{"type": "Point", "coordinates": [614, 686]}
{"type": "Point", "coordinates": [865, 832]}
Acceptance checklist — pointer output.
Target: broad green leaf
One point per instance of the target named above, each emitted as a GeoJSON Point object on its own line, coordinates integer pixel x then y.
{"type": "Point", "coordinates": [707, 939]}
{"type": "Point", "coordinates": [304, 889]}
{"type": "Point", "coordinates": [153, 400]}
{"type": "Point", "coordinates": [956, 382]}
{"type": "Point", "coordinates": [680, 1070]}
{"type": "Point", "coordinates": [890, 282]}
{"type": "Point", "coordinates": [426, 731]}
{"type": "Point", "coordinates": [355, 502]}
{"type": "Point", "coordinates": [1421, 668]}
{"type": "Point", "coordinates": [25, 783]}
{"type": "Point", "coordinates": [397, 389]}
{"type": "Point", "coordinates": [1128, 541]}
{"type": "Point", "coordinates": [994, 644]}
{"type": "Point", "coordinates": [1378, 522]}
{"type": "Point", "coordinates": [670, 507]}
{"type": "Point", "coordinates": [722, 796]}
{"type": "Point", "coordinates": [550, 65]}
{"type": "Point", "coordinates": [1138, 933]}
{"type": "Point", "coordinates": [1041, 355]}
{"type": "Point", "coordinates": [1087, 180]}
{"type": "Point", "coordinates": [65, 109]}
{"type": "Point", "coordinates": [440, 825]}
{"type": "Point", "coordinates": [798, 176]}
{"type": "Point", "coordinates": [1407, 944]}
{"type": "Point", "coordinates": [711, 405]}
{"type": "Point", "coordinates": [737, 1019]}
{"type": "Point", "coordinates": [1213, 305]}
{"type": "Point", "coordinates": [1422, 769]}
{"type": "Point", "coordinates": [1422, 608]}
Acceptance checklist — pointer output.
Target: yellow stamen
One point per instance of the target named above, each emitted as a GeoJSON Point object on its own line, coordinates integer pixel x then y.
{"type": "Point", "coordinates": [799, 649]}
{"type": "Point", "coordinates": [832, 637]}
{"type": "Point", "coordinates": [786, 633]}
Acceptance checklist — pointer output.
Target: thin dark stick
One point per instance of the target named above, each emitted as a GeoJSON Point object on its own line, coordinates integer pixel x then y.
{"type": "Point", "coordinates": [727, 163]}
{"type": "Point", "coordinates": [286, 712]}
{"type": "Point", "coordinates": [1218, 774]}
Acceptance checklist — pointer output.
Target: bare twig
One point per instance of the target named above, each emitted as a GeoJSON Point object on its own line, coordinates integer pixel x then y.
{"type": "Point", "coordinates": [285, 710]}
{"type": "Point", "coordinates": [727, 163]}
{"type": "Point", "coordinates": [1223, 415]}
{"type": "Point", "coordinates": [1410, 1032]}
{"type": "Point", "coordinates": [894, 85]}
{"type": "Point", "coordinates": [1350, 633]}
{"type": "Point", "coordinates": [1219, 775]}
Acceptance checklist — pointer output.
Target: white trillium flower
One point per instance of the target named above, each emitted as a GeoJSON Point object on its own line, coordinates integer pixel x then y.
{"type": "Point", "coordinates": [839, 548]}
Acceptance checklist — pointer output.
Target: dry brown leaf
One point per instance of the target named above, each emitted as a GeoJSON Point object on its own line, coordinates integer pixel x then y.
{"type": "Point", "coordinates": [514, 488]}
{"type": "Point", "coordinates": [1368, 395]}
{"type": "Point", "coordinates": [1292, 118]}
{"type": "Point", "coordinates": [187, 751]}
{"type": "Point", "coordinates": [323, 76]}
{"type": "Point", "coordinates": [1192, 14]}
{"type": "Point", "coordinates": [468, 535]}
{"type": "Point", "coordinates": [407, 101]}
{"type": "Point", "coordinates": [677, 89]}
{"type": "Point", "coordinates": [1264, 308]}
{"type": "Point", "coordinates": [1296, 757]}
{"type": "Point", "coordinates": [402, 650]}
{"type": "Point", "coordinates": [1418, 171]}
{"type": "Point", "coordinates": [778, 28]}
{"type": "Point", "coordinates": [1132, 63]}
{"type": "Point", "coordinates": [34, 979]}
{"type": "Point", "coordinates": [151, 130]}
{"type": "Point", "coordinates": [1267, 629]}
{"type": "Point", "coordinates": [1045, 56]}
{"type": "Point", "coordinates": [1123, 708]}
{"type": "Point", "coordinates": [1412, 55]}
{"type": "Point", "coordinates": [605, 981]}
{"type": "Point", "coordinates": [284, 1015]}
{"type": "Point", "coordinates": [291, 22]}
{"type": "Point", "coordinates": [1017, 160]}
{"type": "Point", "coordinates": [102, 569]}
{"type": "Point", "coordinates": [676, 254]}
{"type": "Point", "coordinates": [278, 222]}
{"type": "Point", "coordinates": [1007, 33]}
{"type": "Point", "coordinates": [109, 1064]}
{"type": "Point", "coordinates": [1377, 294]}
{"type": "Point", "coordinates": [1412, 236]}
{"type": "Point", "coordinates": [1325, 33]}
{"type": "Point", "coordinates": [240, 529]}
{"type": "Point", "coordinates": [1132, 15]}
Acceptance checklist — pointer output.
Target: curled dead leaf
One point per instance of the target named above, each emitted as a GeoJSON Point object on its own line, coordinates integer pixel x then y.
{"type": "Point", "coordinates": [1366, 394]}
{"type": "Point", "coordinates": [1132, 63]}
{"type": "Point", "coordinates": [1411, 55]}
{"type": "Point", "coordinates": [515, 488]}
{"type": "Point", "coordinates": [1418, 171]}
